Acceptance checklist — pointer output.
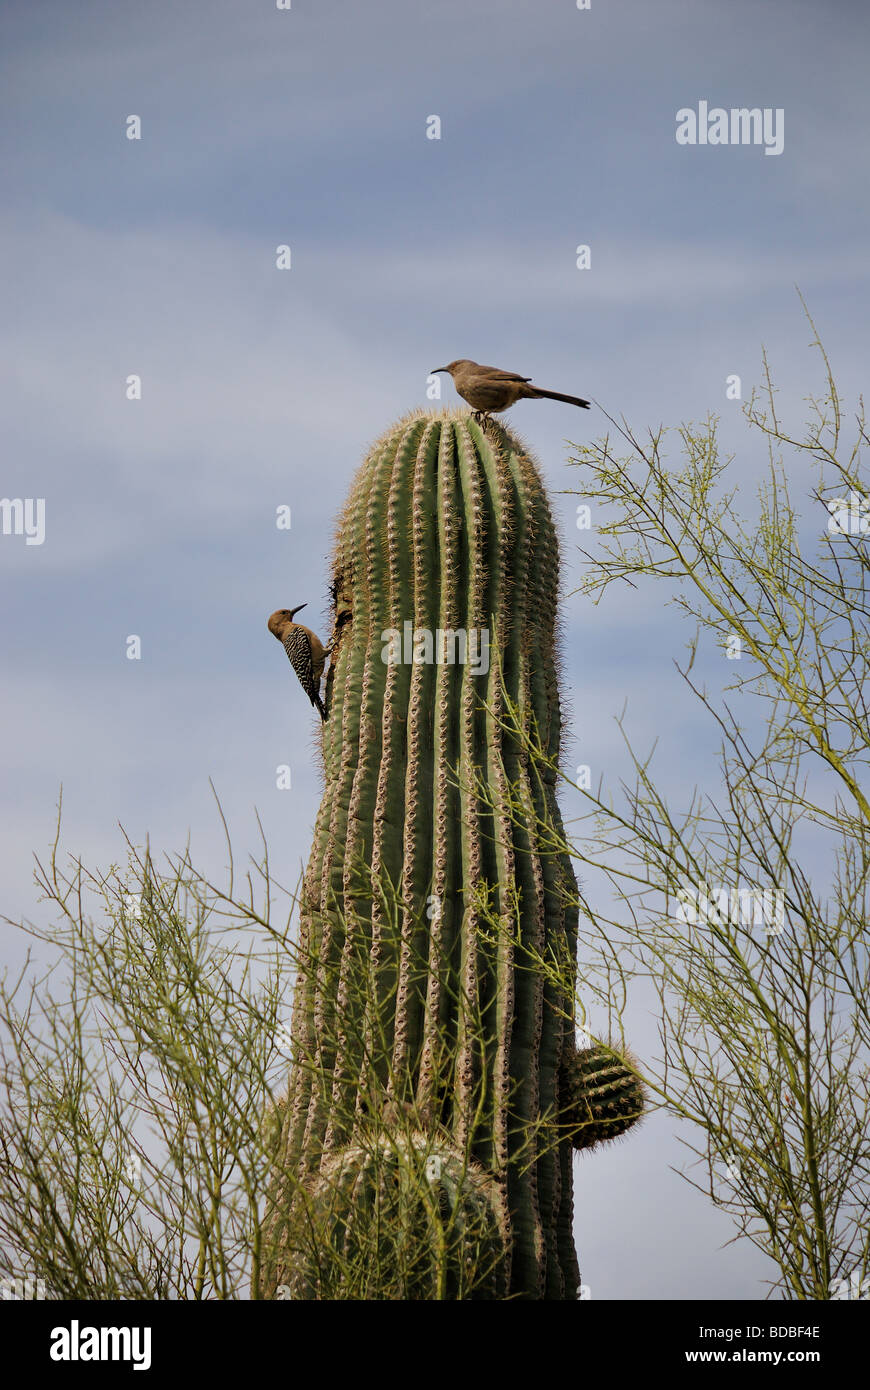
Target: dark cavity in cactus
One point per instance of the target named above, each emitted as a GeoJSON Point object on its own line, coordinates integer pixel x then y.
{"type": "Point", "coordinates": [428, 909]}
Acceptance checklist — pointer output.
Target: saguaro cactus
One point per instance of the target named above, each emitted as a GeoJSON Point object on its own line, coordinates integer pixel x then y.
{"type": "Point", "coordinates": [426, 1020]}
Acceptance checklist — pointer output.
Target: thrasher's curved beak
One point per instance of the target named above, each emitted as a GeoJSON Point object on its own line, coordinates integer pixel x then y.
{"type": "Point", "coordinates": [437, 369]}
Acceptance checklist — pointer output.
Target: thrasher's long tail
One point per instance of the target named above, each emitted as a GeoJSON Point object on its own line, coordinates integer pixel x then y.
{"type": "Point", "coordinates": [557, 396]}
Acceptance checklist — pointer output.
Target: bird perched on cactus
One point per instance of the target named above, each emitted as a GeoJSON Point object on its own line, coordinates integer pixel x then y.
{"type": "Point", "coordinates": [490, 389]}
{"type": "Point", "coordinates": [304, 648]}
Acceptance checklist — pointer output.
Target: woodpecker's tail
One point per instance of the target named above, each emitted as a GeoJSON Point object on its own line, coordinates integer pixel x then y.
{"type": "Point", "coordinates": [318, 703]}
{"type": "Point", "coordinates": [537, 391]}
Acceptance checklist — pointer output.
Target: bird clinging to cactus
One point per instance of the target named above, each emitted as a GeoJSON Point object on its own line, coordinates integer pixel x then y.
{"type": "Point", "coordinates": [304, 648]}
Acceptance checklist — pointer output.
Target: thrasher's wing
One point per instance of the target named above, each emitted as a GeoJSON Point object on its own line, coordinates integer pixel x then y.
{"type": "Point", "coordinates": [496, 372]}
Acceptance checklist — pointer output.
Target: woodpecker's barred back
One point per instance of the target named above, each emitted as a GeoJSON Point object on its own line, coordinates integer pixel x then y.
{"type": "Point", "coordinates": [305, 650]}
{"type": "Point", "coordinates": [297, 645]}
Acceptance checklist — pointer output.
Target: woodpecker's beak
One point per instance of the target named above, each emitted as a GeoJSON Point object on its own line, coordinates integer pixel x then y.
{"type": "Point", "coordinates": [294, 611]}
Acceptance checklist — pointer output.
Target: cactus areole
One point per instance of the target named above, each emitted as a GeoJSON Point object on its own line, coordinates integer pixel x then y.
{"type": "Point", "coordinates": [423, 1031]}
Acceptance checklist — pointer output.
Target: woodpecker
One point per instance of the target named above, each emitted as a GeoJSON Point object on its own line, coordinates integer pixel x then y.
{"type": "Point", "coordinates": [490, 389]}
{"type": "Point", "coordinates": [306, 652]}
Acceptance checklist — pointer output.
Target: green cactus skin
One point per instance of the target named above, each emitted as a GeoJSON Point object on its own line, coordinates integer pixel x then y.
{"type": "Point", "coordinates": [602, 1095]}
{"type": "Point", "coordinates": [398, 1217]}
{"type": "Point", "coordinates": [447, 526]}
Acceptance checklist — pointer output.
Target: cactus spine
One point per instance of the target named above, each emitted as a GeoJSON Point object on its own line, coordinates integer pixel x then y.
{"type": "Point", "coordinates": [404, 993]}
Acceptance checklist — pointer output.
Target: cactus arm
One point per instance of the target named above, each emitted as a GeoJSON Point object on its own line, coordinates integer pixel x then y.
{"type": "Point", "coordinates": [603, 1095]}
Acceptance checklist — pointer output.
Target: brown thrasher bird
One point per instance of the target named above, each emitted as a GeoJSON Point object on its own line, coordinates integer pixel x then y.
{"type": "Point", "coordinates": [490, 389]}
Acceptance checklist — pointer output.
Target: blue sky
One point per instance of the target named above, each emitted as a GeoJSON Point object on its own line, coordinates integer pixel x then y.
{"type": "Point", "coordinates": [308, 127]}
